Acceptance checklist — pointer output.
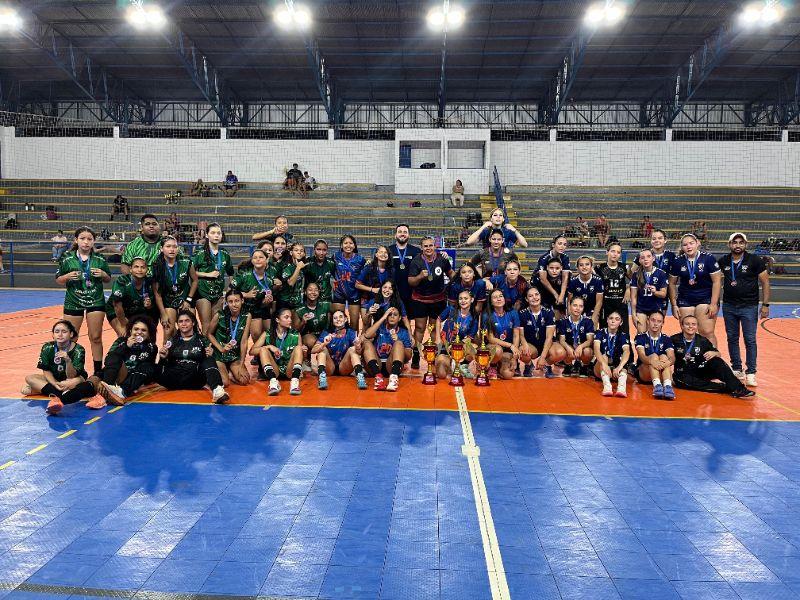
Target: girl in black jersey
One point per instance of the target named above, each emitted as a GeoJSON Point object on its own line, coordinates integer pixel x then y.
{"type": "Point", "coordinates": [551, 285]}
{"type": "Point", "coordinates": [187, 363]}
{"type": "Point", "coordinates": [131, 361]}
{"type": "Point", "coordinates": [616, 294]}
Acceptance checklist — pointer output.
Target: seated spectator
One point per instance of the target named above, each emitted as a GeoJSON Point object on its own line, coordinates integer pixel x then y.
{"type": "Point", "coordinates": [701, 231]}
{"type": "Point", "coordinates": [581, 229]}
{"type": "Point", "coordinates": [602, 228]}
{"type": "Point", "coordinates": [293, 178]}
{"type": "Point", "coordinates": [646, 227]}
{"type": "Point", "coordinates": [120, 207]}
{"type": "Point", "coordinates": [60, 245]}
{"type": "Point", "coordinates": [231, 184]}
{"type": "Point", "coordinates": [11, 222]}
{"type": "Point", "coordinates": [2, 266]}
{"type": "Point", "coordinates": [307, 183]}
{"type": "Point", "coordinates": [50, 213]}
{"type": "Point", "coordinates": [172, 224]}
{"type": "Point", "coordinates": [30, 206]}
{"type": "Point", "coordinates": [198, 188]}
{"type": "Point", "coordinates": [457, 195]}
{"type": "Point", "coordinates": [200, 232]}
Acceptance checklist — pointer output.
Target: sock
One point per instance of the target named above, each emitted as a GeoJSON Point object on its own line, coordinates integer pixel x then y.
{"type": "Point", "coordinates": [79, 392]}
{"type": "Point", "coordinates": [415, 351]}
{"type": "Point", "coordinates": [98, 367]}
{"type": "Point", "coordinates": [320, 369]}
{"type": "Point", "coordinates": [373, 367]}
{"type": "Point", "coordinates": [358, 369]}
{"type": "Point", "coordinates": [622, 379]}
{"type": "Point", "coordinates": [606, 380]}
{"type": "Point", "coordinates": [668, 382]}
{"type": "Point", "coordinates": [50, 390]}
{"type": "Point", "coordinates": [269, 372]}
{"type": "Point", "coordinates": [297, 370]}
{"type": "Point", "coordinates": [656, 381]}
{"type": "Point", "coordinates": [397, 367]}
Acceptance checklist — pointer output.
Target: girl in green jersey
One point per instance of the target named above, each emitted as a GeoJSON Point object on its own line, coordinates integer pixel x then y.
{"type": "Point", "coordinates": [84, 272]}
{"type": "Point", "coordinates": [212, 263]}
{"type": "Point", "coordinates": [174, 284]}
{"type": "Point", "coordinates": [228, 334]}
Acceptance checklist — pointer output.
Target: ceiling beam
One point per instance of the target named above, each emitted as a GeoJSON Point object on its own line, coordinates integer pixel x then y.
{"type": "Point", "coordinates": [781, 110]}
{"type": "Point", "coordinates": [442, 94]}
{"type": "Point", "coordinates": [560, 85]}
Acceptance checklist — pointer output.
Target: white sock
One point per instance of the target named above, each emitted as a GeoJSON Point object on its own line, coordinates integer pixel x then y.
{"type": "Point", "coordinates": [622, 379]}
{"type": "Point", "coordinates": [656, 381]}
{"type": "Point", "coordinates": [668, 382]}
{"type": "Point", "coordinates": [606, 379]}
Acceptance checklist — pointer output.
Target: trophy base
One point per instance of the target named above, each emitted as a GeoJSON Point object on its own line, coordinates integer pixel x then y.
{"type": "Point", "coordinates": [482, 380]}
{"type": "Point", "coordinates": [429, 379]}
{"type": "Point", "coordinates": [457, 380]}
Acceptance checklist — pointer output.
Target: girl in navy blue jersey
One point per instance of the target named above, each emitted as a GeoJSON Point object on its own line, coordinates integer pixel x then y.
{"type": "Point", "coordinates": [695, 281]}
{"type": "Point", "coordinates": [468, 279]}
{"type": "Point", "coordinates": [349, 264]}
{"type": "Point", "coordinates": [656, 355]}
{"type": "Point", "coordinates": [557, 251]}
{"type": "Point", "coordinates": [373, 276]}
{"type": "Point", "coordinates": [387, 347]}
{"type": "Point", "coordinates": [551, 284]}
{"type": "Point", "coordinates": [612, 351]}
{"type": "Point", "coordinates": [338, 352]}
{"type": "Point", "coordinates": [387, 297]}
{"type": "Point", "coordinates": [576, 336]}
{"type": "Point", "coordinates": [648, 290]}
{"type": "Point", "coordinates": [537, 348]}
{"type": "Point", "coordinates": [467, 319]}
{"type": "Point", "coordinates": [503, 334]}
{"type": "Point", "coordinates": [589, 287]}
{"type": "Point", "coordinates": [512, 284]}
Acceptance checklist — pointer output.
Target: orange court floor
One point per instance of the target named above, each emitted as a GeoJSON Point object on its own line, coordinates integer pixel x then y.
{"type": "Point", "coordinates": [777, 397]}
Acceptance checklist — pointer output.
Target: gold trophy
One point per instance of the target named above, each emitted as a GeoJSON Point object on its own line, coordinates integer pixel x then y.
{"type": "Point", "coordinates": [429, 350]}
{"type": "Point", "coordinates": [483, 357]}
{"type": "Point", "coordinates": [457, 354]}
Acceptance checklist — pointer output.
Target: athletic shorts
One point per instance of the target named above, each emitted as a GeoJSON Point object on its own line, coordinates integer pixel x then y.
{"type": "Point", "coordinates": [692, 300]}
{"type": "Point", "coordinates": [420, 310]}
{"type": "Point", "coordinates": [262, 312]}
{"type": "Point", "coordinates": [82, 311]}
{"type": "Point", "coordinates": [339, 299]}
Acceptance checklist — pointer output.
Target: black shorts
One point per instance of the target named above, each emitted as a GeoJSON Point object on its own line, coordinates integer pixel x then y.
{"type": "Point", "coordinates": [81, 312]}
{"type": "Point", "coordinates": [338, 299]}
{"type": "Point", "coordinates": [422, 310]}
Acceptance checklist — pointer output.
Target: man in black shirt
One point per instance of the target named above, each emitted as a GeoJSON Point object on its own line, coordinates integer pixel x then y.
{"type": "Point", "coordinates": [401, 253]}
{"type": "Point", "coordinates": [697, 363]}
{"type": "Point", "coordinates": [742, 272]}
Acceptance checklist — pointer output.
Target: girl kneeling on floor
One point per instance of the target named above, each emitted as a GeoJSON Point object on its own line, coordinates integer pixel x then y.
{"type": "Point", "coordinates": [387, 341]}
{"type": "Point", "coordinates": [338, 352]}
{"type": "Point", "coordinates": [131, 361]}
{"type": "Point", "coordinates": [279, 348]}
{"type": "Point", "coordinates": [63, 377]}
{"type": "Point", "coordinates": [612, 351]}
{"type": "Point", "coordinates": [187, 363]}
{"type": "Point", "coordinates": [229, 333]}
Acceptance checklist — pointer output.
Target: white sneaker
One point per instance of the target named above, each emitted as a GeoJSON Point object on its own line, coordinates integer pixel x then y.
{"type": "Point", "coordinates": [294, 386]}
{"type": "Point", "coordinates": [607, 389]}
{"type": "Point", "coordinates": [274, 387]}
{"type": "Point", "coordinates": [750, 380]}
{"type": "Point", "coordinates": [219, 395]}
{"type": "Point", "coordinates": [26, 390]}
{"type": "Point", "coordinates": [739, 374]}
{"type": "Point", "coordinates": [112, 393]}
{"type": "Point", "coordinates": [394, 383]}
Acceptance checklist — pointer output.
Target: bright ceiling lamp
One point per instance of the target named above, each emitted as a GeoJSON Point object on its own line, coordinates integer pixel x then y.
{"type": "Point", "coordinates": [446, 17]}
{"type": "Point", "coordinates": [291, 16]}
{"type": "Point", "coordinates": [9, 20]}
{"type": "Point", "coordinates": [761, 14]}
{"type": "Point", "coordinates": [146, 16]}
{"type": "Point", "coordinates": [605, 13]}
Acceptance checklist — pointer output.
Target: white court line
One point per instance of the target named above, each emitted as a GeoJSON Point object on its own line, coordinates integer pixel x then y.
{"type": "Point", "coordinates": [491, 547]}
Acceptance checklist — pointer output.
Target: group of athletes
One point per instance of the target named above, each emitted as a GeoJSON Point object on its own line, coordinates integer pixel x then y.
{"type": "Point", "coordinates": [343, 313]}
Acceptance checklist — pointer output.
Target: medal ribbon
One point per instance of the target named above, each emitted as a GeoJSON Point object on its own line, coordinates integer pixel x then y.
{"type": "Point", "coordinates": [688, 347]}
{"type": "Point", "coordinates": [86, 267]}
{"type": "Point", "coordinates": [173, 273]}
{"type": "Point", "coordinates": [733, 268]}
{"type": "Point", "coordinates": [611, 344]}
{"type": "Point", "coordinates": [691, 266]}
{"type": "Point", "coordinates": [654, 344]}
{"type": "Point", "coordinates": [262, 283]}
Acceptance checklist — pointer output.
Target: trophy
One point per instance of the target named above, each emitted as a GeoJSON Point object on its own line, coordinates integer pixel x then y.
{"type": "Point", "coordinates": [457, 354]}
{"type": "Point", "coordinates": [483, 356]}
{"type": "Point", "coordinates": [429, 350]}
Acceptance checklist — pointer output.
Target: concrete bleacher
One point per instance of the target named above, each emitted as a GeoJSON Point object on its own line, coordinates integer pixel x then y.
{"type": "Point", "coordinates": [361, 209]}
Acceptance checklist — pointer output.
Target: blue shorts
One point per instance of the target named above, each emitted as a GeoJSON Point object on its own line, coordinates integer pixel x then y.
{"type": "Point", "coordinates": [693, 299]}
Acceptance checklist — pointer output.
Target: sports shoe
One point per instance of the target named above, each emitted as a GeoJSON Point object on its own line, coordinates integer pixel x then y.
{"type": "Point", "coordinates": [219, 395]}
{"type": "Point", "coordinates": [112, 393]}
{"type": "Point", "coordinates": [380, 383]}
{"type": "Point", "coordinates": [394, 383]}
{"type": "Point", "coordinates": [669, 393]}
{"type": "Point", "coordinates": [607, 390]}
{"type": "Point", "coordinates": [528, 370]}
{"type": "Point", "coordinates": [566, 371]}
{"type": "Point", "coordinates": [26, 390]}
{"type": "Point", "coordinates": [322, 382]}
{"type": "Point", "coordinates": [306, 366]}
{"type": "Point", "coordinates": [576, 369]}
{"type": "Point", "coordinates": [274, 387]}
{"type": "Point", "coordinates": [739, 373]}
{"type": "Point", "coordinates": [96, 403]}
{"type": "Point", "coordinates": [658, 391]}
{"type": "Point", "coordinates": [548, 372]}
{"type": "Point", "coordinates": [743, 393]}
{"type": "Point", "coordinates": [294, 386]}
{"type": "Point", "coordinates": [750, 380]}
{"type": "Point", "coordinates": [583, 371]}
{"type": "Point", "coordinates": [622, 385]}
{"type": "Point", "coordinates": [492, 372]}
{"type": "Point", "coordinates": [466, 373]}
{"type": "Point", "coordinates": [361, 381]}
{"type": "Point", "coordinates": [54, 406]}
{"type": "Point", "coordinates": [415, 359]}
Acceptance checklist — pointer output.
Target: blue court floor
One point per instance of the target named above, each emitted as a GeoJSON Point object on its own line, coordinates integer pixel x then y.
{"type": "Point", "coordinates": [330, 503]}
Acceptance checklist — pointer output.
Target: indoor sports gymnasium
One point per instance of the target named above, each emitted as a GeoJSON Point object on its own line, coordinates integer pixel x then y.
{"type": "Point", "coordinates": [394, 300]}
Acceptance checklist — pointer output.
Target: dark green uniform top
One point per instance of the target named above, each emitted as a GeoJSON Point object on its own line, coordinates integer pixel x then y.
{"type": "Point", "coordinates": [286, 345]}
{"type": "Point", "coordinates": [86, 292]}
{"type": "Point", "coordinates": [132, 299]}
{"type": "Point", "coordinates": [206, 262]}
{"type": "Point", "coordinates": [141, 248]}
{"type": "Point", "coordinates": [247, 280]}
{"type": "Point", "coordinates": [229, 329]}
{"type": "Point", "coordinates": [169, 278]}
{"type": "Point", "coordinates": [47, 361]}
{"type": "Point", "coordinates": [291, 295]}
{"type": "Point", "coordinates": [146, 352]}
{"type": "Point", "coordinates": [319, 322]}
{"type": "Point", "coordinates": [323, 275]}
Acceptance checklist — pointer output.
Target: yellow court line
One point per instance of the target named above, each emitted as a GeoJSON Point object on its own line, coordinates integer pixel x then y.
{"type": "Point", "coordinates": [92, 420]}
{"type": "Point", "coordinates": [66, 434]}
{"type": "Point", "coordinates": [6, 465]}
{"type": "Point", "coordinates": [776, 403]}
{"type": "Point", "coordinates": [115, 409]}
{"type": "Point", "coordinates": [35, 450]}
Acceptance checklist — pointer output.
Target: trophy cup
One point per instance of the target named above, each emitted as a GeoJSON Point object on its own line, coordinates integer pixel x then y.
{"type": "Point", "coordinates": [457, 354]}
{"type": "Point", "coordinates": [483, 357]}
{"type": "Point", "coordinates": [429, 350]}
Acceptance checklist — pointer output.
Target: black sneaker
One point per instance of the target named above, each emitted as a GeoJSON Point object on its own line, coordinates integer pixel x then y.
{"type": "Point", "coordinates": [576, 369]}
{"type": "Point", "coordinates": [567, 371]}
{"type": "Point", "coordinates": [743, 393]}
{"type": "Point", "coordinates": [583, 371]}
{"type": "Point", "coordinates": [415, 359]}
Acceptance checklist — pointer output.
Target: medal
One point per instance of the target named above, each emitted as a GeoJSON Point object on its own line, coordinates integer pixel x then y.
{"type": "Point", "coordinates": [168, 344]}
{"type": "Point", "coordinates": [89, 284]}
{"type": "Point", "coordinates": [430, 277]}
{"type": "Point", "coordinates": [57, 359]}
{"type": "Point", "coordinates": [139, 339]}
{"type": "Point", "coordinates": [402, 266]}
{"type": "Point", "coordinates": [734, 283]}
{"type": "Point", "coordinates": [174, 288]}
{"type": "Point", "coordinates": [692, 281]}
{"type": "Point", "coordinates": [233, 343]}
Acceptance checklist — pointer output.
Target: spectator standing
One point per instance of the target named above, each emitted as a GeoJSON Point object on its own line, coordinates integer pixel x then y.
{"type": "Point", "coordinates": [230, 185]}
{"type": "Point", "coordinates": [60, 245]}
{"type": "Point", "coordinates": [120, 207]}
{"type": "Point", "coordinates": [457, 195]}
{"type": "Point", "coordinates": [742, 273]}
